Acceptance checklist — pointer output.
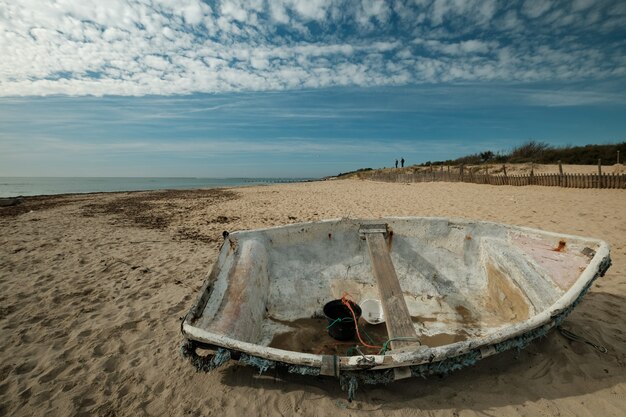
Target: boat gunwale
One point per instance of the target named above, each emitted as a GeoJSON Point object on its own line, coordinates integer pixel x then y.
{"type": "Point", "coordinates": [422, 354]}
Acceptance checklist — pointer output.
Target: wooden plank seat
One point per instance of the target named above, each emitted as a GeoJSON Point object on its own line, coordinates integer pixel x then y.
{"type": "Point", "coordinates": [397, 316]}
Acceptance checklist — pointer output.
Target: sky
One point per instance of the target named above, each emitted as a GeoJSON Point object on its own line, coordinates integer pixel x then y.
{"type": "Point", "coordinates": [300, 88]}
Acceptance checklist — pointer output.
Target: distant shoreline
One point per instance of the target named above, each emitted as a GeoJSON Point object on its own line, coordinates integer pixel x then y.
{"type": "Point", "coordinates": [14, 187]}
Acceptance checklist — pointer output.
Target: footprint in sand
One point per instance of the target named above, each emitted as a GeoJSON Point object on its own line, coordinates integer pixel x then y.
{"type": "Point", "coordinates": [25, 368]}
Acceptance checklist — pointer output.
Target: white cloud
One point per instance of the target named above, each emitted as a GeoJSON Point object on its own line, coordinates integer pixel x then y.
{"type": "Point", "coordinates": [184, 46]}
{"type": "Point", "coordinates": [578, 5]}
{"type": "Point", "coordinates": [480, 11]}
{"type": "Point", "coordinates": [535, 8]}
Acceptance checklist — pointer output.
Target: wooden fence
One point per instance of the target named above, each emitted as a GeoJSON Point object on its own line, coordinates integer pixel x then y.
{"type": "Point", "coordinates": [550, 180]}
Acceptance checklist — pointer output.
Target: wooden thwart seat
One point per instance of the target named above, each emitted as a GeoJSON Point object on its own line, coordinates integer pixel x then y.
{"type": "Point", "coordinates": [397, 316]}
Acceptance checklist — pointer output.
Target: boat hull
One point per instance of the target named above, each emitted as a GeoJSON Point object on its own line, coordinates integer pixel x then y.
{"type": "Point", "coordinates": [472, 289]}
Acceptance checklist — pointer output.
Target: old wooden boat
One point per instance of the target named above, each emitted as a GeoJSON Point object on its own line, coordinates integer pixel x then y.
{"type": "Point", "coordinates": [452, 291]}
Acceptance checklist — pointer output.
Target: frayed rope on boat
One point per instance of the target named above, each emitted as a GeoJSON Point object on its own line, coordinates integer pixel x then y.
{"type": "Point", "coordinates": [350, 384]}
{"type": "Point", "coordinates": [262, 364]}
{"type": "Point", "coordinates": [204, 363]}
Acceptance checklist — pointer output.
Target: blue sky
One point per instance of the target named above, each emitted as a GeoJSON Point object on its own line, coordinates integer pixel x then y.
{"type": "Point", "coordinates": [299, 88]}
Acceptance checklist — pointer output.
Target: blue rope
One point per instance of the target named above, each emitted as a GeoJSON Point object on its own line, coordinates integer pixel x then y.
{"type": "Point", "coordinates": [339, 320]}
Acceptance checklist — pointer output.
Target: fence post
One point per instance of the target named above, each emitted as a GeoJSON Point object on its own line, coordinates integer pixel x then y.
{"type": "Point", "coordinates": [612, 181]}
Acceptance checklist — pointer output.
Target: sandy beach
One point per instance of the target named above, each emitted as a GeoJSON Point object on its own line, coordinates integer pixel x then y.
{"type": "Point", "coordinates": [92, 289]}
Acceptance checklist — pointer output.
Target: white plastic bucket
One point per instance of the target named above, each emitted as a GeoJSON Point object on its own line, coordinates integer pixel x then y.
{"type": "Point", "coordinates": [372, 311]}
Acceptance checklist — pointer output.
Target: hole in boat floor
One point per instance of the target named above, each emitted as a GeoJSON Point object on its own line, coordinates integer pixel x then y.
{"type": "Point", "coordinates": [309, 335]}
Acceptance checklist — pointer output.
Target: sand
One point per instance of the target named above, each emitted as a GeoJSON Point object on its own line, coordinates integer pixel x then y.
{"type": "Point", "coordinates": [92, 289]}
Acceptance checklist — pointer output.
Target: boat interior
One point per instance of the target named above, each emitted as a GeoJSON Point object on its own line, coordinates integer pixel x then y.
{"type": "Point", "coordinates": [439, 281]}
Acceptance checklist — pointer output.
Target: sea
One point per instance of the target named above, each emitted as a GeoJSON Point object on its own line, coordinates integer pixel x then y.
{"type": "Point", "coordinates": [30, 186]}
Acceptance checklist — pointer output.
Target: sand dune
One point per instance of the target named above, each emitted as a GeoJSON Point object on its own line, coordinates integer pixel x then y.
{"type": "Point", "coordinates": [92, 289]}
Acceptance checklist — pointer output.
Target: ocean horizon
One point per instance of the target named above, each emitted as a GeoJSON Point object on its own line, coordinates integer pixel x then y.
{"type": "Point", "coordinates": [34, 186]}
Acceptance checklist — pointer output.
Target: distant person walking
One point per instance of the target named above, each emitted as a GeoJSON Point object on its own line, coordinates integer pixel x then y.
{"type": "Point", "coordinates": [402, 162]}
{"type": "Point", "coordinates": [396, 163]}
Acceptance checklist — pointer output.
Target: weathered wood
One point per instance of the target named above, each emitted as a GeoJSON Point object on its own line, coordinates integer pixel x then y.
{"type": "Point", "coordinates": [329, 367]}
{"type": "Point", "coordinates": [595, 180]}
{"type": "Point", "coordinates": [397, 316]}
